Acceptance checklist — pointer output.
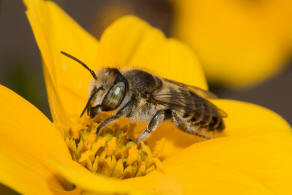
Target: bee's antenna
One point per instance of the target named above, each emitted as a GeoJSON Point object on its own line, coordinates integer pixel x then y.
{"type": "Point", "coordinates": [80, 62]}
{"type": "Point", "coordinates": [89, 100]}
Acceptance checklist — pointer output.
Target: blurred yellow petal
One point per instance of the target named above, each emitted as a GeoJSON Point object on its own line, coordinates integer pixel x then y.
{"type": "Point", "coordinates": [27, 137]}
{"type": "Point", "coordinates": [131, 42]}
{"type": "Point", "coordinates": [66, 80]}
{"type": "Point", "coordinates": [240, 43]}
{"type": "Point", "coordinates": [20, 179]}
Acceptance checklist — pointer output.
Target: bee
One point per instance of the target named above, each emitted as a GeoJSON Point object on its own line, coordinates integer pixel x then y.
{"type": "Point", "coordinates": [142, 96]}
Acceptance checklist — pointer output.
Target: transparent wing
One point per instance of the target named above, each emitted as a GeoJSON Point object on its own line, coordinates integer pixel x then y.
{"type": "Point", "coordinates": [200, 92]}
{"type": "Point", "coordinates": [182, 101]}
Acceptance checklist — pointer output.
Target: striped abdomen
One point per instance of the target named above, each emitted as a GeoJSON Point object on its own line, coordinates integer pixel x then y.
{"type": "Point", "coordinates": [204, 114]}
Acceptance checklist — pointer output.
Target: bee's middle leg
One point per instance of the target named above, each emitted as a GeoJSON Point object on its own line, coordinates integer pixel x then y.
{"type": "Point", "coordinates": [158, 117]}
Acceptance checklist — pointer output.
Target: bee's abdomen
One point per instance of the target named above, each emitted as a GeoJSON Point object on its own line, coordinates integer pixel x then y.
{"type": "Point", "coordinates": [206, 115]}
{"type": "Point", "coordinates": [217, 123]}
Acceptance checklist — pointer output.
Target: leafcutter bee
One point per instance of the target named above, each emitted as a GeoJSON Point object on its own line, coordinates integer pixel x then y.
{"type": "Point", "coordinates": [142, 96]}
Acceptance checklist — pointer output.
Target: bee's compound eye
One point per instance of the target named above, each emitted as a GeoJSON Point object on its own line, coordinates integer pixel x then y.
{"type": "Point", "coordinates": [114, 97]}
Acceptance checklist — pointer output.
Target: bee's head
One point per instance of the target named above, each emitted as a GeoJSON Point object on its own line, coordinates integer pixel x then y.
{"type": "Point", "coordinates": [107, 91]}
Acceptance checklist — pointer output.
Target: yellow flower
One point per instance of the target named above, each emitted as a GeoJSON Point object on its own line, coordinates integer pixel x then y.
{"type": "Point", "coordinates": [240, 43]}
{"type": "Point", "coordinates": [252, 156]}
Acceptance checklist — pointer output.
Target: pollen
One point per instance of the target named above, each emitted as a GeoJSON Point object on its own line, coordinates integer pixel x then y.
{"type": "Point", "coordinates": [113, 152]}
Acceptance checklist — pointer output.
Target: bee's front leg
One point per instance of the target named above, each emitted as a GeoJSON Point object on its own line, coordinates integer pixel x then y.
{"type": "Point", "coordinates": [122, 112]}
{"type": "Point", "coordinates": [158, 117]}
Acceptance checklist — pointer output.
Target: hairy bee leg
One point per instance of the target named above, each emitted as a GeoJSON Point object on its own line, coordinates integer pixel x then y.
{"type": "Point", "coordinates": [181, 124]}
{"type": "Point", "coordinates": [123, 111]}
{"type": "Point", "coordinates": [158, 117]}
{"type": "Point", "coordinates": [201, 135]}
{"type": "Point", "coordinates": [108, 120]}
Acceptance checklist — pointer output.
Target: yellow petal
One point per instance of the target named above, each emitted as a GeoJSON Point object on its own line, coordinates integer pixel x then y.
{"type": "Point", "coordinates": [21, 179]}
{"type": "Point", "coordinates": [240, 43]}
{"type": "Point", "coordinates": [28, 138]}
{"type": "Point", "coordinates": [199, 178]}
{"type": "Point", "coordinates": [155, 184]}
{"type": "Point", "coordinates": [231, 164]}
{"type": "Point", "coordinates": [253, 157]}
{"type": "Point", "coordinates": [244, 120]}
{"type": "Point", "coordinates": [250, 120]}
{"type": "Point", "coordinates": [66, 80]}
{"type": "Point", "coordinates": [130, 42]}
{"type": "Point", "coordinates": [96, 183]}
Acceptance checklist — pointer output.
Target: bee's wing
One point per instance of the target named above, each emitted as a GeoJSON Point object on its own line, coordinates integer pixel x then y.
{"type": "Point", "coordinates": [201, 92]}
{"type": "Point", "coordinates": [178, 101]}
{"type": "Point", "coordinates": [208, 95]}
{"type": "Point", "coordinates": [222, 113]}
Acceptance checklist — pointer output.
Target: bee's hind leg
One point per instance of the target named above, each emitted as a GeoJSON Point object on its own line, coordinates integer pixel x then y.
{"type": "Point", "coordinates": [183, 125]}
{"type": "Point", "coordinates": [158, 117]}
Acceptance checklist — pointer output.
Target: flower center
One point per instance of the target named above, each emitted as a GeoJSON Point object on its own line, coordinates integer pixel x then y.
{"type": "Point", "coordinates": [112, 152]}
